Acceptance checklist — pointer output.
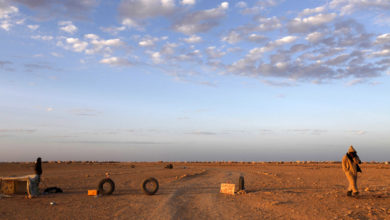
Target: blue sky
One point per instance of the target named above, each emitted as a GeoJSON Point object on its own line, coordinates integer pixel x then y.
{"type": "Point", "coordinates": [190, 80]}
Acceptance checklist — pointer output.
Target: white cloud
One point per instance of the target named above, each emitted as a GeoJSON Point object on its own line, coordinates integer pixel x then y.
{"type": "Point", "coordinates": [76, 44]}
{"type": "Point", "coordinates": [264, 4]}
{"type": "Point", "coordinates": [200, 21]}
{"type": "Point", "coordinates": [357, 132]}
{"type": "Point", "coordinates": [214, 53]}
{"type": "Point", "coordinates": [309, 11]}
{"type": "Point", "coordinates": [115, 61]}
{"type": "Point", "coordinates": [188, 2]}
{"type": "Point", "coordinates": [5, 25]}
{"type": "Point", "coordinates": [49, 109]}
{"type": "Point", "coordinates": [241, 4]}
{"type": "Point", "coordinates": [113, 30]}
{"type": "Point", "coordinates": [156, 57]}
{"type": "Point", "coordinates": [91, 36]}
{"type": "Point", "coordinates": [384, 52]}
{"type": "Point", "coordinates": [49, 9]}
{"type": "Point", "coordinates": [68, 27]}
{"type": "Point", "coordinates": [42, 37]}
{"type": "Point", "coordinates": [20, 21]}
{"type": "Point", "coordinates": [146, 43]}
{"type": "Point", "coordinates": [268, 24]}
{"type": "Point", "coordinates": [7, 12]}
{"type": "Point", "coordinates": [99, 45]}
{"type": "Point", "coordinates": [285, 40]}
{"type": "Point", "coordinates": [129, 23]}
{"type": "Point", "coordinates": [143, 9]}
{"type": "Point", "coordinates": [281, 65]}
{"type": "Point", "coordinates": [149, 41]}
{"type": "Point", "coordinates": [314, 37]}
{"type": "Point", "coordinates": [350, 6]}
{"type": "Point", "coordinates": [225, 5]}
{"type": "Point", "coordinates": [193, 39]}
{"type": "Point", "coordinates": [54, 54]}
{"type": "Point", "coordinates": [168, 49]}
{"type": "Point", "coordinates": [110, 42]}
{"type": "Point", "coordinates": [382, 39]}
{"type": "Point", "coordinates": [355, 82]}
{"type": "Point", "coordinates": [33, 27]}
{"type": "Point", "coordinates": [233, 37]}
{"type": "Point", "coordinates": [257, 38]}
{"type": "Point", "coordinates": [299, 25]}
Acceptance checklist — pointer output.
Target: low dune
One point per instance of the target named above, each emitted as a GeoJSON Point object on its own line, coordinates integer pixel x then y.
{"type": "Point", "coordinates": [279, 190]}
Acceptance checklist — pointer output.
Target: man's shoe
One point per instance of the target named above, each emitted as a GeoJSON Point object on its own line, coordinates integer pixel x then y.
{"type": "Point", "coordinates": [349, 193]}
{"type": "Point", "coordinates": [355, 194]}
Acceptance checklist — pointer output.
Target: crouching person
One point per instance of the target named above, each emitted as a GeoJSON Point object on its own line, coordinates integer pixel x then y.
{"type": "Point", "coordinates": [350, 164]}
{"type": "Point", "coordinates": [34, 180]}
{"type": "Point", "coordinates": [38, 169]}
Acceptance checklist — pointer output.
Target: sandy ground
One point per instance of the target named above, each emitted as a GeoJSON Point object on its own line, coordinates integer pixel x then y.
{"type": "Point", "coordinates": [191, 191]}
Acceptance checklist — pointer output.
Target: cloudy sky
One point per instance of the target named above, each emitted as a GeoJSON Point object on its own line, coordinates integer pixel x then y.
{"type": "Point", "coordinates": [147, 80]}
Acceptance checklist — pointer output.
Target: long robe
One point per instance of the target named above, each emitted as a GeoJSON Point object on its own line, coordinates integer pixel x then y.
{"type": "Point", "coordinates": [350, 169]}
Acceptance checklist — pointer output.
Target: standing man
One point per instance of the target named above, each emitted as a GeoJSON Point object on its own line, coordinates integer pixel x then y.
{"type": "Point", "coordinates": [351, 168]}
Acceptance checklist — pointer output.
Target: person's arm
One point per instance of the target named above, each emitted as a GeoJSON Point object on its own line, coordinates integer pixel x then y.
{"type": "Point", "coordinates": [345, 164]}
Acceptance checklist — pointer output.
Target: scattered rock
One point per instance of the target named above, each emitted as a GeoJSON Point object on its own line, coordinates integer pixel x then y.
{"type": "Point", "coordinates": [53, 203]}
{"type": "Point", "coordinates": [241, 192]}
{"type": "Point", "coordinates": [367, 189]}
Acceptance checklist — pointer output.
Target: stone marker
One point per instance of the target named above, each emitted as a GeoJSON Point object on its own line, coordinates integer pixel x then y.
{"type": "Point", "coordinates": [228, 188]}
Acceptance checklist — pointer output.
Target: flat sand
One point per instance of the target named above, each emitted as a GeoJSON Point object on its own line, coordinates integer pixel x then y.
{"type": "Point", "coordinates": [191, 191]}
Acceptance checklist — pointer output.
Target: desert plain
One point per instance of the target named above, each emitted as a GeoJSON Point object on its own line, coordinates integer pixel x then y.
{"type": "Point", "coordinates": [191, 190]}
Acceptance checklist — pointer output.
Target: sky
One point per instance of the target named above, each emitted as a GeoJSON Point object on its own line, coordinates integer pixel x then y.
{"type": "Point", "coordinates": [194, 80]}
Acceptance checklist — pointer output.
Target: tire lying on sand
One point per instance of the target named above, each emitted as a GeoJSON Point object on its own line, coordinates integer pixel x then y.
{"type": "Point", "coordinates": [150, 186]}
{"type": "Point", "coordinates": [101, 188]}
{"type": "Point", "coordinates": [241, 183]}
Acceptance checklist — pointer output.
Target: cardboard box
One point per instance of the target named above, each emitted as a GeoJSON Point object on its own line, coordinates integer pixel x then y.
{"type": "Point", "coordinates": [92, 192]}
{"type": "Point", "coordinates": [228, 188]}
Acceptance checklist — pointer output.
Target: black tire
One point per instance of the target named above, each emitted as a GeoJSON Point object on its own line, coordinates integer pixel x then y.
{"type": "Point", "coordinates": [169, 166]}
{"type": "Point", "coordinates": [148, 191]}
{"type": "Point", "coordinates": [111, 183]}
{"type": "Point", "coordinates": [241, 183]}
{"type": "Point", "coordinates": [53, 190]}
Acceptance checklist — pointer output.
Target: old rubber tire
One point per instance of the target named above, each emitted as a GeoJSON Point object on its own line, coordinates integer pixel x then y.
{"type": "Point", "coordinates": [111, 189]}
{"type": "Point", "coordinates": [241, 183]}
{"type": "Point", "coordinates": [147, 190]}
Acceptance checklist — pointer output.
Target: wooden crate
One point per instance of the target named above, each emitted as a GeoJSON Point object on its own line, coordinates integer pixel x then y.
{"type": "Point", "coordinates": [228, 188]}
{"type": "Point", "coordinates": [13, 187]}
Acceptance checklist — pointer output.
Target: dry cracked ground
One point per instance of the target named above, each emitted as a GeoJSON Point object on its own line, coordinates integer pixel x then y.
{"type": "Point", "coordinates": [191, 191]}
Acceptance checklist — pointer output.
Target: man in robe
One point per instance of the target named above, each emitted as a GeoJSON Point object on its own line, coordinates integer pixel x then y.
{"type": "Point", "coordinates": [350, 164]}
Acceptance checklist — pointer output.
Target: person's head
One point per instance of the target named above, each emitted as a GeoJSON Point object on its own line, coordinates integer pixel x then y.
{"type": "Point", "coordinates": [353, 154]}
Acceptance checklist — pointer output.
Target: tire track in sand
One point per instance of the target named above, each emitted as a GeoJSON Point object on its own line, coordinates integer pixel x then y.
{"type": "Point", "coordinates": [198, 197]}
